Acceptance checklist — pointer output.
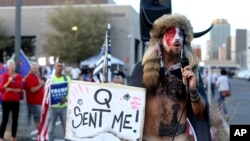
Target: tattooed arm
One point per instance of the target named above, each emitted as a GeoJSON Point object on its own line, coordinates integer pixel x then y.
{"type": "Point", "coordinates": [198, 103]}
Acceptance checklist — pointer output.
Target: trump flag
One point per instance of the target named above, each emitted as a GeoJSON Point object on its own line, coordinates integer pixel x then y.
{"type": "Point", "coordinates": [24, 65]}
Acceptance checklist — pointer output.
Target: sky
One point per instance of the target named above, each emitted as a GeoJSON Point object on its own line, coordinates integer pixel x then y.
{"type": "Point", "coordinates": [201, 13]}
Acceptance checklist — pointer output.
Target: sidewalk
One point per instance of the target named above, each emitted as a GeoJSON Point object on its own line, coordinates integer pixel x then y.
{"type": "Point", "coordinates": [26, 129]}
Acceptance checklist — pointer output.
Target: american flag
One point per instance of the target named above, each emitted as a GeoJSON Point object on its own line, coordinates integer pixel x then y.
{"type": "Point", "coordinates": [44, 125]}
{"type": "Point", "coordinates": [102, 71]}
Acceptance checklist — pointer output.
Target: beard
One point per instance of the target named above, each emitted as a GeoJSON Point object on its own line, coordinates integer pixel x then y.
{"type": "Point", "coordinates": [174, 54]}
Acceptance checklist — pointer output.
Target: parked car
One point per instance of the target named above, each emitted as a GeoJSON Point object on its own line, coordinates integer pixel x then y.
{"type": "Point", "coordinates": [243, 74]}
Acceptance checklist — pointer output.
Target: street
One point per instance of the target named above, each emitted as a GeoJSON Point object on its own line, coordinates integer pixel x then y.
{"type": "Point", "coordinates": [239, 103]}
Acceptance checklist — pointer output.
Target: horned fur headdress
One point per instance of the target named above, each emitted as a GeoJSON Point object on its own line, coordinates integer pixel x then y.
{"type": "Point", "coordinates": [152, 57]}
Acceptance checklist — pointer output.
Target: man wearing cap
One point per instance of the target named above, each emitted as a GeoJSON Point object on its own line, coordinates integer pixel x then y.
{"type": "Point", "coordinates": [176, 103]}
{"type": "Point", "coordinates": [119, 77]}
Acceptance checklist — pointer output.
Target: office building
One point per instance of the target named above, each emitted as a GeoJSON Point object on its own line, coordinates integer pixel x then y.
{"type": "Point", "coordinates": [218, 35]}
{"type": "Point", "coordinates": [242, 48]}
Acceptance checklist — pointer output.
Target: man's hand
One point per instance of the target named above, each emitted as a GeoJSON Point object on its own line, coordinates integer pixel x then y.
{"type": "Point", "coordinates": [188, 75]}
{"type": "Point", "coordinates": [42, 82]}
{"type": "Point", "coordinates": [63, 100]}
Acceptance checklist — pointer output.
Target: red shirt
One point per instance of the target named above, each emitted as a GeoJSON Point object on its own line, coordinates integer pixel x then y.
{"type": "Point", "coordinates": [16, 84]}
{"type": "Point", "coordinates": [31, 81]}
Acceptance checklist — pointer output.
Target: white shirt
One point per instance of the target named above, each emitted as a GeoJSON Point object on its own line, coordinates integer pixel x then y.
{"type": "Point", "coordinates": [213, 77]}
{"type": "Point", "coordinates": [75, 73]}
{"type": "Point", "coordinates": [222, 83]}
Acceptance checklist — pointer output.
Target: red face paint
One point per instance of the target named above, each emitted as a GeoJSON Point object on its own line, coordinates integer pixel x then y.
{"type": "Point", "coordinates": [170, 35]}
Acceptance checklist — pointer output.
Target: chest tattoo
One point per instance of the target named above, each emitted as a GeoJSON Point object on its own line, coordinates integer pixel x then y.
{"type": "Point", "coordinates": [170, 129]}
{"type": "Point", "coordinates": [174, 88]}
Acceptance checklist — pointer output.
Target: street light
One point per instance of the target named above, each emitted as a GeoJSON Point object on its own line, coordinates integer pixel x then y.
{"type": "Point", "coordinates": [74, 28]}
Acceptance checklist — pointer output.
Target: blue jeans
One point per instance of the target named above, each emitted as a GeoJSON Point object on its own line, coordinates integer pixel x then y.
{"type": "Point", "coordinates": [213, 89]}
{"type": "Point", "coordinates": [53, 114]}
{"type": "Point", "coordinates": [221, 102]}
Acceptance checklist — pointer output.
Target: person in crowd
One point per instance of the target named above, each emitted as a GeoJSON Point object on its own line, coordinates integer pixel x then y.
{"type": "Point", "coordinates": [11, 89]}
{"type": "Point", "coordinates": [88, 76]}
{"type": "Point", "coordinates": [75, 73]}
{"type": "Point", "coordinates": [119, 77]}
{"type": "Point", "coordinates": [204, 74]}
{"type": "Point", "coordinates": [58, 110]}
{"type": "Point", "coordinates": [175, 94]}
{"type": "Point", "coordinates": [40, 70]}
{"type": "Point", "coordinates": [213, 79]}
{"type": "Point", "coordinates": [34, 89]}
{"type": "Point", "coordinates": [47, 71]}
{"type": "Point", "coordinates": [223, 85]}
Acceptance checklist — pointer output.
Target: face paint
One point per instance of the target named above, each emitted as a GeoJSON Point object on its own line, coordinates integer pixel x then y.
{"type": "Point", "coordinates": [172, 35]}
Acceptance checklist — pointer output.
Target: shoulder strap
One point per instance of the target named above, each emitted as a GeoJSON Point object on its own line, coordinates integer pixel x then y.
{"type": "Point", "coordinates": [65, 78]}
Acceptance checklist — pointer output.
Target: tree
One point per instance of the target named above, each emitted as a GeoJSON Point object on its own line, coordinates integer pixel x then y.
{"type": "Point", "coordinates": [78, 32]}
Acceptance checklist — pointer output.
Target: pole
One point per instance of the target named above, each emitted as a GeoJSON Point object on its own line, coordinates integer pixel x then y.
{"type": "Point", "coordinates": [209, 95]}
{"type": "Point", "coordinates": [18, 33]}
{"type": "Point", "coordinates": [105, 66]}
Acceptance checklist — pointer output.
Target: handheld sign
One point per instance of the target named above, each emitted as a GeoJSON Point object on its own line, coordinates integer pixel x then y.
{"type": "Point", "coordinates": [57, 92]}
{"type": "Point", "coordinates": [104, 112]}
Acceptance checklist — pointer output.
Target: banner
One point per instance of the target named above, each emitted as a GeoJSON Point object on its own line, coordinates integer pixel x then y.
{"type": "Point", "coordinates": [106, 112]}
{"type": "Point", "coordinates": [57, 92]}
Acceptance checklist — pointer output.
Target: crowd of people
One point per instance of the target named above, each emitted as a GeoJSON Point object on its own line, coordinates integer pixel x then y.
{"type": "Point", "coordinates": [177, 107]}
{"type": "Point", "coordinates": [13, 86]}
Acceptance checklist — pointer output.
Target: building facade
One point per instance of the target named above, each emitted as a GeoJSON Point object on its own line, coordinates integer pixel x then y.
{"type": "Point", "coordinates": [242, 48]}
{"type": "Point", "coordinates": [233, 46]}
{"type": "Point", "coordinates": [218, 35]}
{"type": "Point", "coordinates": [125, 37]}
{"type": "Point", "coordinates": [222, 53]}
{"type": "Point", "coordinates": [197, 51]}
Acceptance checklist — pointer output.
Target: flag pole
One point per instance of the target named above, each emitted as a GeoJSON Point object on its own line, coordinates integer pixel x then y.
{"type": "Point", "coordinates": [18, 33]}
{"type": "Point", "coordinates": [105, 66]}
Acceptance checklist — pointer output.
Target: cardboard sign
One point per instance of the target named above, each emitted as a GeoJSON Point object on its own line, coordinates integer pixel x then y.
{"type": "Point", "coordinates": [106, 112]}
{"type": "Point", "coordinates": [57, 92]}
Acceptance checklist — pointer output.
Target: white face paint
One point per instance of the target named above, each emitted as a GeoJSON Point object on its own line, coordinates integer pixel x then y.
{"type": "Point", "coordinates": [173, 38]}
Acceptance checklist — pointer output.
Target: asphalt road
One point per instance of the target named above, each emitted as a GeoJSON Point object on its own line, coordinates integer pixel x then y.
{"type": "Point", "coordinates": [239, 103]}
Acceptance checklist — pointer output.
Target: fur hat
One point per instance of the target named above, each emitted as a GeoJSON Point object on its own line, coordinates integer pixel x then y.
{"type": "Point", "coordinates": [151, 59]}
{"type": "Point", "coordinates": [167, 21]}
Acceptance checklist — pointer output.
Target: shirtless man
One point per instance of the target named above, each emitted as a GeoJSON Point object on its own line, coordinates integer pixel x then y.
{"type": "Point", "coordinates": [167, 105]}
